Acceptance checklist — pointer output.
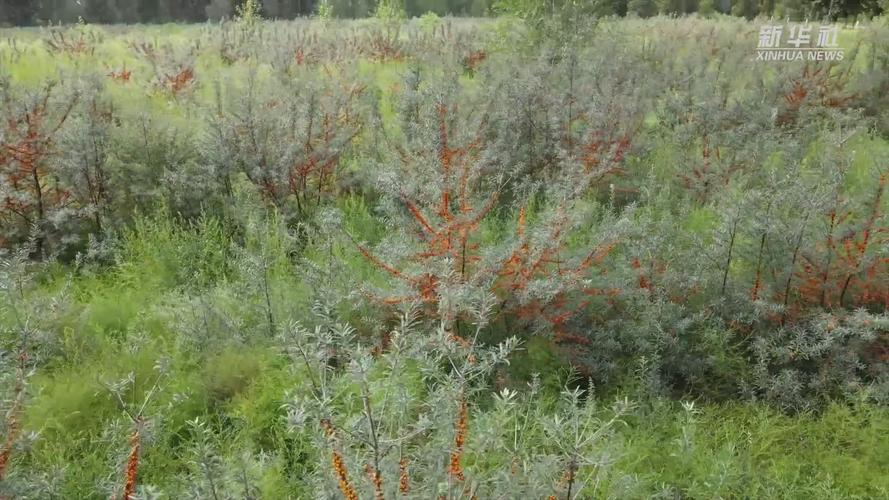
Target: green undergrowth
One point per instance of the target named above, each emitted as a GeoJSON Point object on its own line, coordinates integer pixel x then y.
{"type": "Point", "coordinates": [175, 297]}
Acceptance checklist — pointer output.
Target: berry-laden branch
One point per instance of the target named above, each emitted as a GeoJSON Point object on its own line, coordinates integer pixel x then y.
{"type": "Point", "coordinates": [848, 273]}
{"type": "Point", "coordinates": [32, 190]}
{"type": "Point", "coordinates": [448, 227]}
{"type": "Point", "coordinates": [336, 461]}
{"type": "Point", "coordinates": [138, 421]}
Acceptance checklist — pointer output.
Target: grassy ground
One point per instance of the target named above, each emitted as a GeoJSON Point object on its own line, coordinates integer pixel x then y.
{"type": "Point", "coordinates": [222, 369]}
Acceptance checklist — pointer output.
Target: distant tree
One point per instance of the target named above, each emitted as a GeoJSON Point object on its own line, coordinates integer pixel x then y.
{"type": "Point", "coordinates": [416, 8]}
{"type": "Point", "coordinates": [148, 10]}
{"type": "Point", "coordinates": [390, 10]}
{"type": "Point", "coordinates": [479, 7]}
{"type": "Point", "coordinates": [100, 11]}
{"type": "Point", "coordinates": [55, 11]}
{"type": "Point", "coordinates": [789, 9]}
{"type": "Point", "coordinates": [527, 9]}
{"type": "Point", "coordinates": [273, 8]}
{"type": "Point", "coordinates": [352, 8]}
{"type": "Point", "coordinates": [538, 10]}
{"type": "Point", "coordinates": [219, 9]}
{"type": "Point", "coordinates": [127, 11]}
{"type": "Point", "coordinates": [288, 9]}
{"type": "Point", "coordinates": [183, 10]}
{"type": "Point", "coordinates": [323, 11]}
{"type": "Point", "coordinates": [706, 7]}
{"type": "Point", "coordinates": [249, 11]}
{"type": "Point", "coordinates": [642, 8]}
{"type": "Point", "coordinates": [18, 12]}
{"type": "Point", "coordinates": [607, 7]}
{"type": "Point", "coordinates": [745, 8]}
{"type": "Point", "coordinates": [852, 8]}
{"type": "Point", "coordinates": [677, 6]}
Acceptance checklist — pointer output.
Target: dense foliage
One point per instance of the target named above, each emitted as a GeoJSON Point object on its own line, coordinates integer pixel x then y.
{"type": "Point", "coordinates": [389, 258]}
{"type": "Point", "coordinates": [27, 12]}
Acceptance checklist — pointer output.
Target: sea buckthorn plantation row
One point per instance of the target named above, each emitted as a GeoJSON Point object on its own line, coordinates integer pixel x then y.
{"type": "Point", "coordinates": [551, 253]}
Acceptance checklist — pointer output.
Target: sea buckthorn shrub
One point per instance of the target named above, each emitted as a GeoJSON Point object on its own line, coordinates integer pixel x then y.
{"type": "Point", "coordinates": [402, 422]}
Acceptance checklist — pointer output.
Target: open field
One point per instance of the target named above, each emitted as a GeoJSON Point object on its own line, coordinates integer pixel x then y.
{"type": "Point", "coordinates": [442, 258]}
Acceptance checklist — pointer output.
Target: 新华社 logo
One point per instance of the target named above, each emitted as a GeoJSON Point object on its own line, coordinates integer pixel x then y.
{"type": "Point", "coordinates": [799, 42]}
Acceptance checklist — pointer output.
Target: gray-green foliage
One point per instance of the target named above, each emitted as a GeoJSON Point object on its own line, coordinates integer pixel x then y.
{"type": "Point", "coordinates": [643, 8]}
{"type": "Point", "coordinates": [639, 203]}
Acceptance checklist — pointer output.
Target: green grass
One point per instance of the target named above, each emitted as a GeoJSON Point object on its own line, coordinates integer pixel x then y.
{"type": "Point", "coordinates": [750, 451]}
{"type": "Point", "coordinates": [124, 323]}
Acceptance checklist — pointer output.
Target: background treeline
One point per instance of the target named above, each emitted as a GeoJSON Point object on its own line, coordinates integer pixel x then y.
{"type": "Point", "coordinates": [28, 12]}
{"type": "Point", "coordinates": [793, 9]}
{"type": "Point", "coordinates": [25, 12]}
